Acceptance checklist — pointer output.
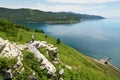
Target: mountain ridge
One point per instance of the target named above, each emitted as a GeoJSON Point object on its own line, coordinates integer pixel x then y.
{"type": "Point", "coordinates": [34, 15]}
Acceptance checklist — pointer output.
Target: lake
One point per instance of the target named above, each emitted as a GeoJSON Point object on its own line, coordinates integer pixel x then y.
{"type": "Point", "coordinates": [97, 39]}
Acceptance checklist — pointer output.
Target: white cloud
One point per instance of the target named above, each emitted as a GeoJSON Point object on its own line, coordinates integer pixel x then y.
{"type": "Point", "coordinates": [81, 1]}
{"type": "Point", "coordinates": [68, 8]}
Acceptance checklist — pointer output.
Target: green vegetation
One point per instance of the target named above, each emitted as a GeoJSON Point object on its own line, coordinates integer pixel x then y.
{"type": "Point", "coordinates": [31, 65]}
{"type": "Point", "coordinates": [58, 41]}
{"type": "Point", "coordinates": [39, 31]}
{"type": "Point", "coordinates": [1, 78]}
{"type": "Point", "coordinates": [7, 63]}
{"type": "Point", "coordinates": [83, 67]}
{"type": "Point", "coordinates": [29, 15]}
{"type": "Point", "coordinates": [7, 26]}
{"type": "Point", "coordinates": [19, 26]}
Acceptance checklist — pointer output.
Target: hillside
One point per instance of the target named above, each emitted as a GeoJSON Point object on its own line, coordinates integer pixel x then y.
{"type": "Point", "coordinates": [24, 60]}
{"type": "Point", "coordinates": [30, 15]}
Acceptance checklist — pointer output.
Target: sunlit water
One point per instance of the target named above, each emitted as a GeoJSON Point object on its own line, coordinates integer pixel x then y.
{"type": "Point", "coordinates": [97, 39]}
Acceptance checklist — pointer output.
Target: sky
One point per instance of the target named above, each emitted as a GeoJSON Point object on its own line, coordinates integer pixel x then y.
{"type": "Point", "coordinates": [105, 8]}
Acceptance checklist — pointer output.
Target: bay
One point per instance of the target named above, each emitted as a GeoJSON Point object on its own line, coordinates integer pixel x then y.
{"type": "Point", "coordinates": [97, 39]}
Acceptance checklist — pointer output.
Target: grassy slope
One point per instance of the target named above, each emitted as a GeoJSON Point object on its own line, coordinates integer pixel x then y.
{"type": "Point", "coordinates": [84, 68]}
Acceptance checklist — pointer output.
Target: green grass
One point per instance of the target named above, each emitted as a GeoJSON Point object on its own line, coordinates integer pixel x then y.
{"type": "Point", "coordinates": [83, 67]}
{"type": "Point", "coordinates": [1, 78]}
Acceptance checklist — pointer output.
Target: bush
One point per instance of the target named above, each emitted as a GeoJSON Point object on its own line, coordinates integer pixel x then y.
{"type": "Point", "coordinates": [32, 62]}
{"type": "Point", "coordinates": [20, 38]}
{"type": "Point", "coordinates": [3, 63]}
{"type": "Point", "coordinates": [20, 26]}
{"type": "Point", "coordinates": [8, 27]}
{"type": "Point", "coordinates": [23, 76]}
{"type": "Point", "coordinates": [58, 41]}
{"type": "Point", "coordinates": [7, 63]}
{"type": "Point", "coordinates": [39, 31]}
{"type": "Point", "coordinates": [46, 36]}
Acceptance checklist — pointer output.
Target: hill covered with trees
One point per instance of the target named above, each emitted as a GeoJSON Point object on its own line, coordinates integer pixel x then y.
{"type": "Point", "coordinates": [37, 16]}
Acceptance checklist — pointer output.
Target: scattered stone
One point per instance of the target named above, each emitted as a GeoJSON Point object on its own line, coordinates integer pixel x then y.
{"type": "Point", "coordinates": [69, 67]}
{"type": "Point", "coordinates": [61, 73]}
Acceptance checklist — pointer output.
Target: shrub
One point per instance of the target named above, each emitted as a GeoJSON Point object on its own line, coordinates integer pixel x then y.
{"type": "Point", "coordinates": [8, 27]}
{"type": "Point", "coordinates": [58, 41]}
{"type": "Point", "coordinates": [7, 63]}
{"type": "Point", "coordinates": [20, 26]}
{"type": "Point", "coordinates": [32, 62]}
{"type": "Point", "coordinates": [20, 38]}
{"type": "Point", "coordinates": [39, 31]}
{"type": "Point", "coordinates": [46, 36]}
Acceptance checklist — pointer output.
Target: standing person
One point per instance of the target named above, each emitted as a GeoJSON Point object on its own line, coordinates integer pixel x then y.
{"type": "Point", "coordinates": [33, 38]}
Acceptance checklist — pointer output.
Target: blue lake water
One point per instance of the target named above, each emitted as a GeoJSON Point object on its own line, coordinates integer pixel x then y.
{"type": "Point", "coordinates": [97, 39]}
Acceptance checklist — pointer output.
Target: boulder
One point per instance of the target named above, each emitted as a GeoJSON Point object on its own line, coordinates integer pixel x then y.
{"type": "Point", "coordinates": [51, 50]}
{"type": "Point", "coordinates": [45, 63]}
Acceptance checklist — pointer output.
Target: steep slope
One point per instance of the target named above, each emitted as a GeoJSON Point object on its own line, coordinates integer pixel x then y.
{"type": "Point", "coordinates": [76, 65]}
{"type": "Point", "coordinates": [30, 15]}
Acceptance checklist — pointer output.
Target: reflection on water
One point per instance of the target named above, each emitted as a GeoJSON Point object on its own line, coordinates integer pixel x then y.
{"type": "Point", "coordinates": [97, 39]}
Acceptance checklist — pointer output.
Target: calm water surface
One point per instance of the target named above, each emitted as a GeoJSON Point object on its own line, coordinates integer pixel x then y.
{"type": "Point", "coordinates": [97, 39]}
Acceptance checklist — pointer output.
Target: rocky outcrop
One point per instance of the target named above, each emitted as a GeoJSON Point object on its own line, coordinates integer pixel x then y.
{"type": "Point", "coordinates": [50, 49]}
{"type": "Point", "coordinates": [12, 50]}
{"type": "Point", "coordinates": [45, 63]}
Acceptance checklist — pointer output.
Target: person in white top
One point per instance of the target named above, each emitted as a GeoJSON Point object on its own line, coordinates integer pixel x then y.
{"type": "Point", "coordinates": [33, 38]}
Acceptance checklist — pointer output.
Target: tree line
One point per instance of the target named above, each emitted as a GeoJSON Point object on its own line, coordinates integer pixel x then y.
{"type": "Point", "coordinates": [30, 15]}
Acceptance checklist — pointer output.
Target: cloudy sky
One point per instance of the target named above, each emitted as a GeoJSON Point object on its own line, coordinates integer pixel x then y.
{"type": "Point", "coordinates": [106, 8]}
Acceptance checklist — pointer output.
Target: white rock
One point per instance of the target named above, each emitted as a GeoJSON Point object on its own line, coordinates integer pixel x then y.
{"type": "Point", "coordinates": [12, 50]}
{"type": "Point", "coordinates": [21, 47]}
{"type": "Point", "coordinates": [51, 50]}
{"type": "Point", "coordinates": [69, 67]}
{"type": "Point", "coordinates": [61, 71]}
{"type": "Point", "coordinates": [48, 65]}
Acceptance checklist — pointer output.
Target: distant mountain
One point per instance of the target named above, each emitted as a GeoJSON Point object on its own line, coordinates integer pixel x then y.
{"type": "Point", "coordinates": [31, 15]}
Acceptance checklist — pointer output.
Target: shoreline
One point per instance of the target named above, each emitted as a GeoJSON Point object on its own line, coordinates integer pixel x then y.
{"type": "Point", "coordinates": [108, 63]}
